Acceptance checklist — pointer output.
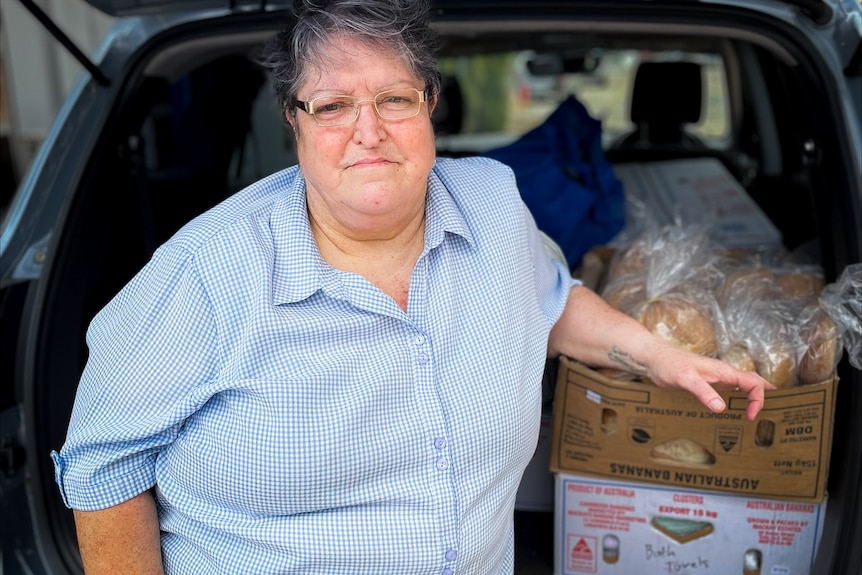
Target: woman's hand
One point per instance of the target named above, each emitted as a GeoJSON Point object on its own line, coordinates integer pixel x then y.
{"type": "Point", "coordinates": [673, 367]}
{"type": "Point", "coordinates": [596, 334]}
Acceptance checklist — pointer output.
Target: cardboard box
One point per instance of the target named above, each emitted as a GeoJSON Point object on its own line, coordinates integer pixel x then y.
{"type": "Point", "coordinates": [608, 527]}
{"type": "Point", "coordinates": [610, 428]}
{"type": "Point", "coordinates": [699, 190]}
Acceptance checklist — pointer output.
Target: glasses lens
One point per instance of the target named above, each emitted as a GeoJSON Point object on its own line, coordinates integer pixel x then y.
{"type": "Point", "coordinates": [398, 104]}
{"type": "Point", "coordinates": [391, 105]}
{"type": "Point", "coordinates": [334, 110]}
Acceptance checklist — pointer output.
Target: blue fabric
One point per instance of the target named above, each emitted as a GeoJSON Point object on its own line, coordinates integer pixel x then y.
{"type": "Point", "coordinates": [566, 180]}
{"type": "Point", "coordinates": [294, 418]}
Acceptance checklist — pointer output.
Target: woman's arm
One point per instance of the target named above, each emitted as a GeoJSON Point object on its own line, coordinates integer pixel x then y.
{"type": "Point", "coordinates": [596, 334]}
{"type": "Point", "coordinates": [121, 539]}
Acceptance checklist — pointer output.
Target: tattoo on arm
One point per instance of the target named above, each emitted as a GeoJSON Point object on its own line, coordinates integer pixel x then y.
{"type": "Point", "coordinates": [628, 363]}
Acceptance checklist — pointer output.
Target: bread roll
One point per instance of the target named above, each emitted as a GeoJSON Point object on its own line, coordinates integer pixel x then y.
{"type": "Point", "coordinates": [819, 360]}
{"type": "Point", "coordinates": [682, 323]}
{"type": "Point", "coordinates": [739, 357]}
{"type": "Point", "coordinates": [625, 296]}
{"type": "Point", "coordinates": [778, 366]}
{"type": "Point", "coordinates": [632, 260]}
{"type": "Point", "coordinates": [800, 284]}
{"type": "Point", "coordinates": [747, 282]}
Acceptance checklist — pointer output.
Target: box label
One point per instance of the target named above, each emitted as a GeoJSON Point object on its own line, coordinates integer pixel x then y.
{"type": "Point", "coordinates": [581, 554]}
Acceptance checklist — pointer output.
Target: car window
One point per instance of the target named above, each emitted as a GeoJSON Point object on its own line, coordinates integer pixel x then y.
{"type": "Point", "coordinates": [505, 95]}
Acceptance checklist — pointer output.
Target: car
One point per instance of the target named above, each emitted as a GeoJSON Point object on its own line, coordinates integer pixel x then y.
{"type": "Point", "coordinates": [175, 116]}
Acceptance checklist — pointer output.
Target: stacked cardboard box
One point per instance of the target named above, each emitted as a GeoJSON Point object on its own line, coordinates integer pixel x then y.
{"type": "Point", "coordinates": [649, 480]}
{"type": "Point", "coordinates": [612, 428]}
{"type": "Point", "coordinates": [607, 527]}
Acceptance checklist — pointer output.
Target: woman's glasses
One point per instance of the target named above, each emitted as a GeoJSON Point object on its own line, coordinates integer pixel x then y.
{"type": "Point", "coordinates": [398, 104]}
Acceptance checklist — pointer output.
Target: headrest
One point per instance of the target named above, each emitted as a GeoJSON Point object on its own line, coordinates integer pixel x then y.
{"type": "Point", "coordinates": [667, 93]}
{"type": "Point", "coordinates": [448, 115]}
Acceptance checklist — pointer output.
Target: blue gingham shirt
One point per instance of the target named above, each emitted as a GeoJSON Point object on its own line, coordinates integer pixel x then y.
{"type": "Point", "coordinates": [294, 419]}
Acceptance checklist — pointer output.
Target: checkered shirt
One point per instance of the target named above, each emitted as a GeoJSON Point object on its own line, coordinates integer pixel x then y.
{"type": "Point", "coordinates": [294, 419]}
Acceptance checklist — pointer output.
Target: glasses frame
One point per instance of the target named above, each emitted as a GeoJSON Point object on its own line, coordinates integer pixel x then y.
{"type": "Point", "coordinates": [307, 106]}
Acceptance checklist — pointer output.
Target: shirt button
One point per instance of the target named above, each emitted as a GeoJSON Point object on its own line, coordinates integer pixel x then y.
{"type": "Point", "coordinates": [419, 339]}
{"type": "Point", "coordinates": [442, 463]}
{"type": "Point", "coordinates": [422, 358]}
{"type": "Point", "coordinates": [440, 442]}
{"type": "Point", "coordinates": [447, 571]}
{"type": "Point", "coordinates": [451, 554]}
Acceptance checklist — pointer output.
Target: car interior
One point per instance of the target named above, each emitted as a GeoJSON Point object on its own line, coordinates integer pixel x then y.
{"type": "Point", "coordinates": [199, 122]}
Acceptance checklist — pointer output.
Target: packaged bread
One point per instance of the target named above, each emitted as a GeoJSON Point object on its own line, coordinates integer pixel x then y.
{"type": "Point", "coordinates": [777, 364]}
{"type": "Point", "coordinates": [626, 293]}
{"type": "Point", "coordinates": [800, 284]}
{"type": "Point", "coordinates": [776, 341]}
{"type": "Point", "coordinates": [746, 281]}
{"type": "Point", "coordinates": [756, 331]}
{"type": "Point", "coordinates": [682, 321]}
{"type": "Point", "coordinates": [630, 260]}
{"type": "Point", "coordinates": [842, 301]}
{"type": "Point", "coordinates": [738, 355]}
{"type": "Point", "coordinates": [822, 348]}
{"type": "Point", "coordinates": [665, 279]}
{"type": "Point", "coordinates": [834, 325]}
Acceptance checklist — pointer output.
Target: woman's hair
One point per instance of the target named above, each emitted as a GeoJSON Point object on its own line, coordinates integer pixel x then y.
{"type": "Point", "coordinates": [399, 26]}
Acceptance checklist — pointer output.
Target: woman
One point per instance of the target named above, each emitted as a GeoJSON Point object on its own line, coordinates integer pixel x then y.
{"type": "Point", "coordinates": [337, 370]}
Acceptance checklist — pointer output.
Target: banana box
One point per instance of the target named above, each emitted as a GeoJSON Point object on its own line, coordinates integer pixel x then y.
{"type": "Point", "coordinates": [636, 431]}
{"type": "Point", "coordinates": [607, 527]}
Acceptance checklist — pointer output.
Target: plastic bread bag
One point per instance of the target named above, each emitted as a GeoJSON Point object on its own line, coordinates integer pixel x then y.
{"type": "Point", "coordinates": [773, 319]}
{"type": "Point", "coordinates": [681, 255]}
{"type": "Point", "coordinates": [773, 271]}
{"type": "Point", "coordinates": [758, 324]}
{"type": "Point", "coordinates": [775, 339]}
{"type": "Point", "coordinates": [841, 304]}
{"type": "Point", "coordinates": [767, 285]}
{"type": "Point", "coordinates": [800, 281]}
{"type": "Point", "coordinates": [678, 286]}
{"type": "Point", "coordinates": [822, 346]}
{"type": "Point", "coordinates": [732, 322]}
{"type": "Point", "coordinates": [684, 317]}
{"type": "Point", "coordinates": [624, 286]}
{"type": "Point", "coordinates": [755, 328]}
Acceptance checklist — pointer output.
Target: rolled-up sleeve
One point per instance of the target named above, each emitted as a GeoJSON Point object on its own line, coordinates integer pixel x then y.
{"type": "Point", "coordinates": [152, 350]}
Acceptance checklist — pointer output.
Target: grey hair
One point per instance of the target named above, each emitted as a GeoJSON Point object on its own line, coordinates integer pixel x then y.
{"type": "Point", "coordinates": [399, 26]}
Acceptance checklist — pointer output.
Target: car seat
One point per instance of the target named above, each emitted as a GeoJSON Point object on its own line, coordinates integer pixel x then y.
{"type": "Point", "coordinates": [665, 97]}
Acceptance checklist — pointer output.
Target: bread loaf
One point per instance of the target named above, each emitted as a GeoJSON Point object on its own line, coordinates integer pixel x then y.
{"type": "Point", "coordinates": [682, 323]}
{"type": "Point", "coordinates": [821, 355]}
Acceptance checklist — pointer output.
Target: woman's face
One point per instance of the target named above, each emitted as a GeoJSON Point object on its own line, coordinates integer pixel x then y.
{"type": "Point", "coordinates": [370, 177]}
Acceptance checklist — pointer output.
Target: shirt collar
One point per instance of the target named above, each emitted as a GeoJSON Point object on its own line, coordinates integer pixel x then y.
{"type": "Point", "coordinates": [299, 270]}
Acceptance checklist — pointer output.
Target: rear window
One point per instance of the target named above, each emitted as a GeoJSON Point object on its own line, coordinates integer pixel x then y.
{"type": "Point", "coordinates": [505, 95]}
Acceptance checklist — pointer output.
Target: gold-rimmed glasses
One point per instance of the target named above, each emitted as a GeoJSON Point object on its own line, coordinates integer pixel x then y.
{"type": "Point", "coordinates": [397, 104]}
